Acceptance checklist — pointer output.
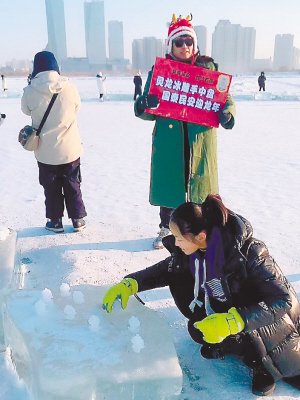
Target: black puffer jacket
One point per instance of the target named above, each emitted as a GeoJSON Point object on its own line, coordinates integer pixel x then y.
{"type": "Point", "coordinates": [254, 284]}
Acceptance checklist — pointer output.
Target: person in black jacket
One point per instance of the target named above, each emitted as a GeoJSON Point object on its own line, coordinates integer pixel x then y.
{"type": "Point", "coordinates": [228, 286]}
{"type": "Point", "coordinates": [137, 80]}
{"type": "Point", "coordinates": [262, 81]}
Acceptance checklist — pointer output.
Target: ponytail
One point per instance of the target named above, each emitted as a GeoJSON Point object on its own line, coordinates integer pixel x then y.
{"type": "Point", "coordinates": [192, 218]}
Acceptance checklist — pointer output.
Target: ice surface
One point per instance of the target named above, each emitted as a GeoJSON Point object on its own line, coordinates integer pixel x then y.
{"type": "Point", "coordinates": [94, 354]}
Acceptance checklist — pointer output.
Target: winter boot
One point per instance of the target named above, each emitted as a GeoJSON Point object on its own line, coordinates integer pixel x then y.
{"type": "Point", "coordinates": [157, 243]}
{"type": "Point", "coordinates": [78, 224]}
{"type": "Point", "coordinates": [263, 383]}
{"type": "Point", "coordinates": [55, 225]}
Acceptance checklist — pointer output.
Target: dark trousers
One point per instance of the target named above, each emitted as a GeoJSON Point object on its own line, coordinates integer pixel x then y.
{"type": "Point", "coordinates": [165, 214]}
{"type": "Point", "coordinates": [262, 87]}
{"type": "Point", "coordinates": [61, 185]}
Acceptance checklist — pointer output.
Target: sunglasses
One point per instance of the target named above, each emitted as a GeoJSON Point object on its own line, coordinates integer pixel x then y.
{"type": "Point", "coordinates": [181, 41]}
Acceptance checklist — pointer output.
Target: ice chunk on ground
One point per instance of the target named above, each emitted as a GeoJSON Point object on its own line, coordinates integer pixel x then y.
{"type": "Point", "coordinates": [4, 233]}
{"type": "Point", "coordinates": [8, 238]}
{"type": "Point", "coordinates": [65, 359]}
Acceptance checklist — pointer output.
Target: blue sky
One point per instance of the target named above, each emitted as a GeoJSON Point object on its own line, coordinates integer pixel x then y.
{"type": "Point", "coordinates": [23, 28]}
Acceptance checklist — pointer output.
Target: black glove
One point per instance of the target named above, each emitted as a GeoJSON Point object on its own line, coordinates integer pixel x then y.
{"type": "Point", "coordinates": [226, 119]}
{"type": "Point", "coordinates": [3, 116]}
{"type": "Point", "coordinates": [148, 101]}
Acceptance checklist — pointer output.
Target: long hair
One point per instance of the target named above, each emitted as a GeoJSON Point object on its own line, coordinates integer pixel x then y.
{"type": "Point", "coordinates": [192, 218]}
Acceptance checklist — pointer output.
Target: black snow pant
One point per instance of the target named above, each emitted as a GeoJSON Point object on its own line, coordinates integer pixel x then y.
{"type": "Point", "coordinates": [165, 214]}
{"type": "Point", "coordinates": [61, 185]}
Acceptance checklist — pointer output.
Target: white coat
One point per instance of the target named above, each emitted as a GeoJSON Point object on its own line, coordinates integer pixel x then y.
{"type": "Point", "coordinates": [101, 85]}
{"type": "Point", "coordinates": [60, 141]}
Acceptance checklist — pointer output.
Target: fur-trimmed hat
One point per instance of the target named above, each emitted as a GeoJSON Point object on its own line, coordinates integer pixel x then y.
{"type": "Point", "coordinates": [180, 27]}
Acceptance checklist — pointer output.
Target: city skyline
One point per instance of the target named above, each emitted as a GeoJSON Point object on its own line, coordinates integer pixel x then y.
{"type": "Point", "coordinates": [140, 20]}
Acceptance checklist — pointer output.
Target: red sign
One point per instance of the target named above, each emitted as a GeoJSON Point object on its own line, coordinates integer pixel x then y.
{"type": "Point", "coordinates": [188, 93]}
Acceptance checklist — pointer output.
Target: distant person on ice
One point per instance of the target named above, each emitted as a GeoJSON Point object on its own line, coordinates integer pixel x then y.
{"type": "Point", "coordinates": [184, 165]}
{"type": "Point", "coordinates": [137, 80]}
{"type": "Point", "coordinates": [262, 81]}
{"type": "Point", "coordinates": [3, 80]}
{"type": "Point", "coordinates": [230, 289]}
{"type": "Point", "coordinates": [59, 150]}
{"type": "Point", "coordinates": [2, 118]}
{"type": "Point", "coordinates": [101, 85]}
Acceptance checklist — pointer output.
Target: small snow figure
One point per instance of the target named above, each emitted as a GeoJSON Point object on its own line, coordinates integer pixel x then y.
{"type": "Point", "coordinates": [70, 312]}
{"type": "Point", "coordinates": [47, 295]}
{"type": "Point", "coordinates": [78, 297]}
{"type": "Point", "coordinates": [134, 324]}
{"type": "Point", "coordinates": [101, 85]}
{"type": "Point", "coordinates": [137, 343]}
{"type": "Point", "coordinates": [64, 290]}
{"type": "Point", "coordinates": [261, 81]}
{"type": "Point", "coordinates": [4, 87]}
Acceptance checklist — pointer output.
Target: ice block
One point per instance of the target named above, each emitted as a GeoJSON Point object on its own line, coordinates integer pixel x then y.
{"type": "Point", "coordinates": [128, 354]}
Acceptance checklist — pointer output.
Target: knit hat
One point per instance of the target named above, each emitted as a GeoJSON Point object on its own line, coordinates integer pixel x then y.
{"type": "Point", "coordinates": [180, 27]}
{"type": "Point", "coordinates": [44, 61]}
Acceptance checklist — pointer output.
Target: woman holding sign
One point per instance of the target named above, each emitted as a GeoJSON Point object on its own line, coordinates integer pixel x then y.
{"type": "Point", "coordinates": [184, 154]}
{"type": "Point", "coordinates": [230, 289]}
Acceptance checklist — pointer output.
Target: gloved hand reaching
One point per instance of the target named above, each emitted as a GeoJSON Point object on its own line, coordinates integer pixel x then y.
{"type": "Point", "coordinates": [122, 290]}
{"type": "Point", "coordinates": [148, 101]}
{"type": "Point", "coordinates": [216, 327]}
{"type": "Point", "coordinates": [224, 117]}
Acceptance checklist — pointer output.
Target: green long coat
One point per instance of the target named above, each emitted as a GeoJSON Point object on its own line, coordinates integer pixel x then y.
{"type": "Point", "coordinates": [168, 186]}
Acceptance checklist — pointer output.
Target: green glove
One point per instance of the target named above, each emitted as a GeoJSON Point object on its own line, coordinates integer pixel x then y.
{"type": "Point", "coordinates": [122, 290]}
{"type": "Point", "coordinates": [217, 327]}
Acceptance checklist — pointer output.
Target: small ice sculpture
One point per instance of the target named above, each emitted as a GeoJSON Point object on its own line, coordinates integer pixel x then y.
{"type": "Point", "coordinates": [47, 295]}
{"type": "Point", "coordinates": [134, 324]}
{"type": "Point", "coordinates": [137, 343]}
{"type": "Point", "coordinates": [70, 312]}
{"type": "Point", "coordinates": [64, 290]}
{"type": "Point", "coordinates": [78, 297]}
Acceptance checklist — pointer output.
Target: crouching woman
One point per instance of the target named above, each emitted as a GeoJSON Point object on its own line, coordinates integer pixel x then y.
{"type": "Point", "coordinates": [230, 289]}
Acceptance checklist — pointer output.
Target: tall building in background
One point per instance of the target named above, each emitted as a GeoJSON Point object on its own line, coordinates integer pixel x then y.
{"type": "Point", "coordinates": [94, 22]}
{"type": "Point", "coordinates": [233, 47]}
{"type": "Point", "coordinates": [57, 42]}
{"type": "Point", "coordinates": [201, 33]}
{"type": "Point", "coordinates": [115, 40]}
{"type": "Point", "coordinates": [137, 54]}
{"type": "Point", "coordinates": [145, 51]}
{"type": "Point", "coordinates": [283, 52]}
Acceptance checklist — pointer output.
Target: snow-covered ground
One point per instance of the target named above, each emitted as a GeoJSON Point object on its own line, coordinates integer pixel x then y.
{"type": "Point", "coordinates": [259, 169]}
